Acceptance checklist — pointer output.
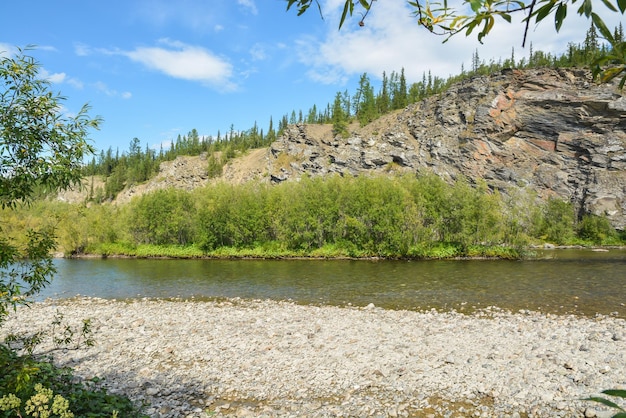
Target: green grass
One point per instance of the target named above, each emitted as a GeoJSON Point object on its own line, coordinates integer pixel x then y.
{"type": "Point", "coordinates": [274, 250]}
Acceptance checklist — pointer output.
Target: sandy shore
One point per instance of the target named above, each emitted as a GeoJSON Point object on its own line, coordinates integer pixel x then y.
{"type": "Point", "coordinates": [265, 358]}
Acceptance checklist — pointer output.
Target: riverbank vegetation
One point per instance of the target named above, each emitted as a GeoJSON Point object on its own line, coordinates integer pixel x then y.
{"type": "Point", "coordinates": [391, 217]}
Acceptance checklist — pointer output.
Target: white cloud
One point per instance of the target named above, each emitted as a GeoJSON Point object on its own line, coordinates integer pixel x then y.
{"type": "Point", "coordinates": [59, 78]}
{"type": "Point", "coordinates": [103, 88]}
{"type": "Point", "coordinates": [82, 50]}
{"type": "Point", "coordinates": [198, 15]}
{"type": "Point", "coordinates": [249, 5]}
{"type": "Point", "coordinates": [258, 52]}
{"type": "Point", "coordinates": [75, 83]}
{"type": "Point", "coordinates": [186, 62]}
{"type": "Point", "coordinates": [391, 40]}
{"type": "Point", "coordinates": [247, 73]}
{"type": "Point", "coordinates": [165, 145]}
{"type": "Point", "coordinates": [56, 78]}
{"type": "Point", "coordinates": [7, 50]}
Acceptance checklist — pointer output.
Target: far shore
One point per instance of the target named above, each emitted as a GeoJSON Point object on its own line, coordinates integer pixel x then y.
{"type": "Point", "coordinates": [243, 255]}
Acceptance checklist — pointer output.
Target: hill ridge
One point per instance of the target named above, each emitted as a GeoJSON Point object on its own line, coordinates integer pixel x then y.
{"type": "Point", "coordinates": [554, 131]}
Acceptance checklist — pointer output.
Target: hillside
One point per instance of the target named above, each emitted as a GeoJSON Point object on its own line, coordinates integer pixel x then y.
{"type": "Point", "coordinates": [551, 130]}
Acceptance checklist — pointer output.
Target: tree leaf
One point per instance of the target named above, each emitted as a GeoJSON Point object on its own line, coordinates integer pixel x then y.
{"type": "Point", "coordinates": [506, 17]}
{"type": "Point", "coordinates": [489, 20]}
{"type": "Point", "coordinates": [585, 8]}
{"type": "Point", "coordinates": [347, 7]}
{"type": "Point", "coordinates": [475, 5]}
{"type": "Point", "coordinates": [561, 12]}
{"type": "Point", "coordinates": [599, 23]}
{"type": "Point", "coordinates": [470, 27]}
{"type": "Point", "coordinates": [604, 401]}
{"type": "Point", "coordinates": [622, 5]}
{"type": "Point", "coordinates": [366, 5]}
{"type": "Point", "coordinates": [615, 392]}
{"type": "Point", "coordinates": [544, 11]}
{"type": "Point", "coordinates": [608, 4]}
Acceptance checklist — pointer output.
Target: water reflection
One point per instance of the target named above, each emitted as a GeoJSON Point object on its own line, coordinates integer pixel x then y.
{"type": "Point", "coordinates": [560, 281]}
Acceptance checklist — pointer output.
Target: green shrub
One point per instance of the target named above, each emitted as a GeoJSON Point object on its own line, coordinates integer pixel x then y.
{"type": "Point", "coordinates": [557, 223]}
{"type": "Point", "coordinates": [596, 230]}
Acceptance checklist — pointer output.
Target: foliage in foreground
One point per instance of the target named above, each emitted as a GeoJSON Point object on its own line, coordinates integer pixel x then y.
{"type": "Point", "coordinates": [41, 150]}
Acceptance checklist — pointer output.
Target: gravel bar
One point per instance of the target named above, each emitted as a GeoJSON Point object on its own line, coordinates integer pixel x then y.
{"type": "Point", "coordinates": [260, 358]}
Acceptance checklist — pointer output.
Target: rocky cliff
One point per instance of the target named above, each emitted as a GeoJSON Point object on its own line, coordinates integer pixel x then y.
{"type": "Point", "coordinates": [552, 130]}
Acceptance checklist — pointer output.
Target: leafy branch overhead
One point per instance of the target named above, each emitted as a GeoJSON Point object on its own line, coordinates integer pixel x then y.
{"type": "Point", "coordinates": [480, 16]}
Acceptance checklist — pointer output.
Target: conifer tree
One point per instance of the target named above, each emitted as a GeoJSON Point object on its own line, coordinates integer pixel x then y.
{"type": "Point", "coordinates": [402, 92]}
{"type": "Point", "coordinates": [475, 62]}
{"type": "Point", "coordinates": [312, 115]}
{"type": "Point", "coordinates": [382, 101]}
{"type": "Point", "coordinates": [339, 118]}
{"type": "Point", "coordinates": [365, 101]}
{"type": "Point", "coordinates": [345, 101]}
{"type": "Point", "coordinates": [271, 133]}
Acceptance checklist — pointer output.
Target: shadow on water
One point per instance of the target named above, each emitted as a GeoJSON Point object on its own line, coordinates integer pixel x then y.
{"type": "Point", "coordinates": [562, 281]}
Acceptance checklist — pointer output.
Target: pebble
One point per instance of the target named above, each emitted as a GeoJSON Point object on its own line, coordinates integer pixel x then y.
{"type": "Point", "coordinates": [247, 358]}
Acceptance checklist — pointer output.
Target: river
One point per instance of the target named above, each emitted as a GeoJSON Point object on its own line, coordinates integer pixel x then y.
{"type": "Point", "coordinates": [559, 281]}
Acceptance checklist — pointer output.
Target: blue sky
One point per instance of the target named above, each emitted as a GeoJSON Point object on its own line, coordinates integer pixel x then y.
{"type": "Point", "coordinates": [154, 69]}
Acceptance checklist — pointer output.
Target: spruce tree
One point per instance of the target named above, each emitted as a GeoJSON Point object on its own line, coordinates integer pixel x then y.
{"type": "Point", "coordinates": [382, 101]}
{"type": "Point", "coordinates": [339, 118]}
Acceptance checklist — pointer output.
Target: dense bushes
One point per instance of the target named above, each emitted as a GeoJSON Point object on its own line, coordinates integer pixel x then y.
{"type": "Point", "coordinates": [364, 216]}
{"type": "Point", "coordinates": [162, 217]}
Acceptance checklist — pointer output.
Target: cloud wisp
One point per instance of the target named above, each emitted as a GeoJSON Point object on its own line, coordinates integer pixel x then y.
{"type": "Point", "coordinates": [248, 5]}
{"type": "Point", "coordinates": [103, 88]}
{"type": "Point", "coordinates": [186, 62]}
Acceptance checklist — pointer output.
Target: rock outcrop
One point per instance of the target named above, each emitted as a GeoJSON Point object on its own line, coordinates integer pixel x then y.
{"type": "Point", "coordinates": [552, 130]}
{"type": "Point", "coordinates": [184, 172]}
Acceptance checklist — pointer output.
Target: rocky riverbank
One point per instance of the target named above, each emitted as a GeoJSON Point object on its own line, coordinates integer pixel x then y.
{"type": "Point", "coordinates": [264, 358]}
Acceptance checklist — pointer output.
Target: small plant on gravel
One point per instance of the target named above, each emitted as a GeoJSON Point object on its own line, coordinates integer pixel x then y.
{"type": "Point", "coordinates": [34, 387]}
{"type": "Point", "coordinates": [43, 404]}
{"type": "Point", "coordinates": [26, 381]}
{"type": "Point", "coordinates": [62, 335]}
{"type": "Point", "coordinates": [621, 412]}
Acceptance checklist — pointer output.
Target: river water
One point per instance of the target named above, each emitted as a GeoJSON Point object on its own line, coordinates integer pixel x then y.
{"type": "Point", "coordinates": [559, 281]}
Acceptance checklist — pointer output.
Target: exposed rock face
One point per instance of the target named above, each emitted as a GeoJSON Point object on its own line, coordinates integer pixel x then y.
{"type": "Point", "coordinates": [553, 130]}
{"type": "Point", "coordinates": [184, 172]}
